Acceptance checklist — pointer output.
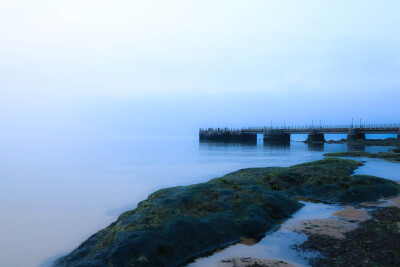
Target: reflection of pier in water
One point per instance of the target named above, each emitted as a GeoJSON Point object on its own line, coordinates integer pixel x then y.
{"type": "Point", "coordinates": [277, 145]}
{"type": "Point", "coordinates": [285, 146]}
{"type": "Point", "coordinates": [228, 143]}
{"type": "Point", "coordinates": [259, 146]}
{"type": "Point", "coordinates": [355, 147]}
{"type": "Point", "coordinates": [316, 146]}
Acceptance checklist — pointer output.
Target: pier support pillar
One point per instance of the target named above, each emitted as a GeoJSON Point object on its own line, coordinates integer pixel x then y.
{"type": "Point", "coordinates": [276, 136]}
{"type": "Point", "coordinates": [354, 135]}
{"type": "Point", "coordinates": [314, 136]}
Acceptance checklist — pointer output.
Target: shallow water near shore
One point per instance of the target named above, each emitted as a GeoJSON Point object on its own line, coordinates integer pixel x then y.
{"type": "Point", "coordinates": [276, 245]}
{"type": "Point", "coordinates": [56, 192]}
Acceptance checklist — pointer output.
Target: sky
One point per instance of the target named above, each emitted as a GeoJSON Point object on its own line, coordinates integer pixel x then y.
{"type": "Point", "coordinates": [165, 68]}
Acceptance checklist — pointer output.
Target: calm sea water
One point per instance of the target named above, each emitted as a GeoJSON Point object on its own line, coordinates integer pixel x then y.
{"type": "Point", "coordinates": [56, 192]}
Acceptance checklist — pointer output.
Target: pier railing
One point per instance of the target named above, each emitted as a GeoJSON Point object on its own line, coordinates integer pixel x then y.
{"type": "Point", "coordinates": [305, 128]}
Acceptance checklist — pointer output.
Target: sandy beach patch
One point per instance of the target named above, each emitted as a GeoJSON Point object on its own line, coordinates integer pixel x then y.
{"type": "Point", "coordinates": [329, 227]}
{"type": "Point", "coordinates": [352, 214]}
{"type": "Point", "coordinates": [349, 219]}
{"type": "Point", "coordinates": [243, 262]}
{"type": "Point", "coordinates": [394, 202]}
{"type": "Point", "coordinates": [388, 202]}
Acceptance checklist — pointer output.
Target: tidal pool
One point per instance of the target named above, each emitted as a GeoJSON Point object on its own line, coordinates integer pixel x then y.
{"type": "Point", "coordinates": [276, 244]}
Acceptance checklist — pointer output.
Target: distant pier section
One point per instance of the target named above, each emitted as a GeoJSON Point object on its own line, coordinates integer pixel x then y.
{"type": "Point", "coordinates": [282, 134]}
{"type": "Point", "coordinates": [226, 135]}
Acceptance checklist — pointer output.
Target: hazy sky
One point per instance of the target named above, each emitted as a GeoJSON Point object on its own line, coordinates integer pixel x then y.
{"type": "Point", "coordinates": [134, 68]}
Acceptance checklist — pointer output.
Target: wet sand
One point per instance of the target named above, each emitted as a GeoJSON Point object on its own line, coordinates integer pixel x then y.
{"type": "Point", "coordinates": [352, 214]}
{"type": "Point", "coordinates": [395, 202]}
{"type": "Point", "coordinates": [248, 241]}
{"type": "Point", "coordinates": [329, 227]}
{"type": "Point", "coordinates": [374, 243]}
{"type": "Point", "coordinates": [243, 262]}
{"type": "Point", "coordinates": [347, 221]}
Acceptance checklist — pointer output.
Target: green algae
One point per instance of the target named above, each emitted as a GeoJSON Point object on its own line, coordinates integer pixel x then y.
{"type": "Point", "coordinates": [389, 156]}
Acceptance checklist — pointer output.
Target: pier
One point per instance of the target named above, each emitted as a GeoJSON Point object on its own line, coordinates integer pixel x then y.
{"type": "Point", "coordinates": [282, 134]}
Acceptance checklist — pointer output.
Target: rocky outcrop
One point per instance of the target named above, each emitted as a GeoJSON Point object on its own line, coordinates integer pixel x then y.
{"type": "Point", "coordinates": [368, 142]}
{"type": "Point", "coordinates": [394, 157]}
{"type": "Point", "coordinates": [176, 224]}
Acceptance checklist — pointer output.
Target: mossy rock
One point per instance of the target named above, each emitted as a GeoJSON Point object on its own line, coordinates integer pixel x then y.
{"type": "Point", "coordinates": [176, 224]}
{"type": "Point", "coordinates": [389, 156]}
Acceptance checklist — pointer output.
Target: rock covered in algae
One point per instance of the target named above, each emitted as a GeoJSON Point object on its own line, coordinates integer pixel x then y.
{"type": "Point", "coordinates": [389, 156]}
{"type": "Point", "coordinates": [176, 224]}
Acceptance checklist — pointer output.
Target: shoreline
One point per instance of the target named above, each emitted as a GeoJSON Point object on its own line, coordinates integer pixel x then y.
{"type": "Point", "coordinates": [374, 242]}
{"type": "Point", "coordinates": [179, 223]}
{"type": "Point", "coordinates": [339, 228]}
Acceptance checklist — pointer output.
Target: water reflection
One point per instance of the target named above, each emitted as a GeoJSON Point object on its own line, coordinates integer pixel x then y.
{"type": "Point", "coordinates": [355, 147]}
{"type": "Point", "coordinates": [277, 244]}
{"type": "Point", "coordinates": [277, 145]}
{"type": "Point", "coordinates": [316, 147]}
{"type": "Point", "coordinates": [219, 144]}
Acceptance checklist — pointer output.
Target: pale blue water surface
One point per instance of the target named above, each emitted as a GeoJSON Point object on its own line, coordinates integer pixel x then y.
{"type": "Point", "coordinates": [56, 192]}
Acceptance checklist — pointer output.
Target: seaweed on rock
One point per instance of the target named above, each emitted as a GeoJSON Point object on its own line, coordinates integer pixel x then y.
{"type": "Point", "coordinates": [176, 224]}
{"type": "Point", "coordinates": [389, 156]}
